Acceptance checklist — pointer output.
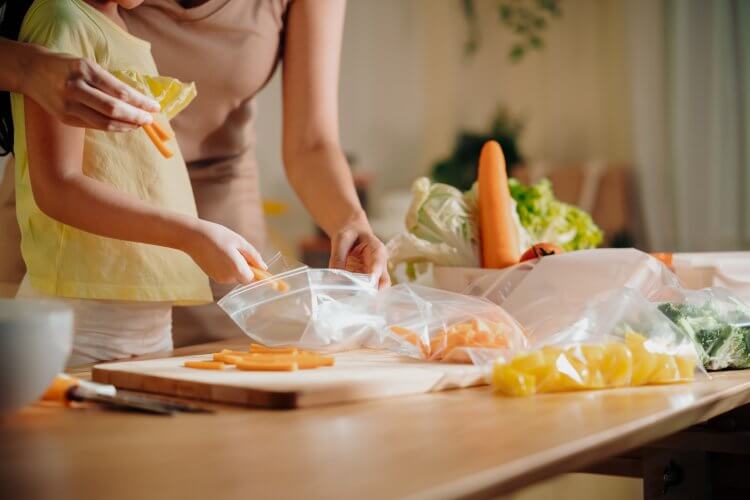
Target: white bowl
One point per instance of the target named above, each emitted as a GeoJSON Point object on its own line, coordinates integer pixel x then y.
{"type": "Point", "coordinates": [36, 337]}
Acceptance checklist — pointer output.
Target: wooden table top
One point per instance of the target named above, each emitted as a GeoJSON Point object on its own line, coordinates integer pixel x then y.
{"type": "Point", "coordinates": [466, 443]}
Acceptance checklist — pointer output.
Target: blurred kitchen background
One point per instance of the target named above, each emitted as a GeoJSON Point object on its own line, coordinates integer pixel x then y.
{"type": "Point", "coordinates": [637, 110]}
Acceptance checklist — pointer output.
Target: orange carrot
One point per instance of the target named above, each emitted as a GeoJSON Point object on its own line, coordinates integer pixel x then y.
{"type": "Point", "coordinates": [413, 338]}
{"type": "Point", "coordinates": [161, 132]}
{"type": "Point", "coordinates": [496, 226]}
{"type": "Point", "coordinates": [163, 149]}
{"type": "Point", "coordinates": [272, 350]}
{"type": "Point", "coordinates": [273, 366]}
{"type": "Point", "coordinates": [280, 286]}
{"type": "Point", "coordinates": [205, 365]}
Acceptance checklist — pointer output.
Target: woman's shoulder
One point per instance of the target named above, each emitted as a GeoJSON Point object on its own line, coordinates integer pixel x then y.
{"type": "Point", "coordinates": [61, 25]}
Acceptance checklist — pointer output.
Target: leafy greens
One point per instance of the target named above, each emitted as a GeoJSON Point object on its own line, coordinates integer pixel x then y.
{"type": "Point", "coordinates": [723, 333]}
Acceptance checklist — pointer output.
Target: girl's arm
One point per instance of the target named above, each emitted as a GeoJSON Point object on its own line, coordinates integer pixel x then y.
{"type": "Point", "coordinates": [63, 192]}
{"type": "Point", "coordinates": [73, 90]}
{"type": "Point", "coordinates": [315, 163]}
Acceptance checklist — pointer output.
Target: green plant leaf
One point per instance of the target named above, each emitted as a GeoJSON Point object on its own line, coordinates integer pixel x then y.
{"type": "Point", "coordinates": [516, 52]}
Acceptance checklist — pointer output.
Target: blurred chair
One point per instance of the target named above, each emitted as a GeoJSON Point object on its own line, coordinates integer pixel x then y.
{"type": "Point", "coordinates": [607, 191]}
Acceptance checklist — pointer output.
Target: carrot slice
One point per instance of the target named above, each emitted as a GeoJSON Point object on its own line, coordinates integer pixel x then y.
{"type": "Point", "coordinates": [303, 359]}
{"type": "Point", "coordinates": [272, 350]}
{"type": "Point", "coordinates": [413, 338]}
{"type": "Point", "coordinates": [163, 149]}
{"type": "Point", "coordinates": [274, 366]}
{"type": "Point", "coordinates": [161, 132]}
{"type": "Point", "coordinates": [497, 228]}
{"type": "Point", "coordinates": [204, 365]}
{"type": "Point", "coordinates": [280, 286]}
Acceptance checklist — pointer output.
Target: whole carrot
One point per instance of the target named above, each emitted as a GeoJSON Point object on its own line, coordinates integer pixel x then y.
{"type": "Point", "coordinates": [497, 228]}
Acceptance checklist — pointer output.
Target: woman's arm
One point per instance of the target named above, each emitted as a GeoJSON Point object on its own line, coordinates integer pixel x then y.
{"type": "Point", "coordinates": [75, 91]}
{"type": "Point", "coordinates": [315, 163]}
{"type": "Point", "coordinates": [63, 192]}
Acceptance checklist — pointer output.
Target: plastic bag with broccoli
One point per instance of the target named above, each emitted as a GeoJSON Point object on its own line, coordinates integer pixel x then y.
{"type": "Point", "coordinates": [717, 321]}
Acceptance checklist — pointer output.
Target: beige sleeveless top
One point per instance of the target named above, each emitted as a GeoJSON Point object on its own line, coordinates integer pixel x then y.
{"type": "Point", "coordinates": [230, 48]}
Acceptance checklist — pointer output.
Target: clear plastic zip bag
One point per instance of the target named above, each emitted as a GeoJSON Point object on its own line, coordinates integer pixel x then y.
{"type": "Point", "coordinates": [308, 308]}
{"type": "Point", "coordinates": [620, 339]}
{"type": "Point", "coordinates": [437, 325]}
{"type": "Point", "coordinates": [717, 321]}
{"type": "Point", "coordinates": [573, 280]}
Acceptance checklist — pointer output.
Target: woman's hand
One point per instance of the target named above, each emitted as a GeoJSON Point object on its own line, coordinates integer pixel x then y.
{"type": "Point", "coordinates": [222, 254]}
{"type": "Point", "coordinates": [358, 250]}
{"type": "Point", "coordinates": [81, 93]}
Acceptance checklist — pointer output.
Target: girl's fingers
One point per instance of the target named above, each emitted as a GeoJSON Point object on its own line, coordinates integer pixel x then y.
{"type": "Point", "coordinates": [106, 105]}
{"type": "Point", "coordinates": [107, 83]}
{"type": "Point", "coordinates": [242, 268]}
{"type": "Point", "coordinates": [252, 256]}
{"type": "Point", "coordinates": [84, 116]}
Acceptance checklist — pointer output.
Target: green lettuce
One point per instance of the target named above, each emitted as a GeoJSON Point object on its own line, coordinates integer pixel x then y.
{"type": "Point", "coordinates": [549, 220]}
{"type": "Point", "coordinates": [442, 225]}
{"type": "Point", "coordinates": [441, 228]}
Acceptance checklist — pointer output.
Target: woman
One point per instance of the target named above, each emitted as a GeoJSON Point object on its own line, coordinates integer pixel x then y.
{"type": "Point", "coordinates": [230, 48]}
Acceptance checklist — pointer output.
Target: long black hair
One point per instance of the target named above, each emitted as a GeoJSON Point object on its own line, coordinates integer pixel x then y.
{"type": "Point", "coordinates": [12, 13]}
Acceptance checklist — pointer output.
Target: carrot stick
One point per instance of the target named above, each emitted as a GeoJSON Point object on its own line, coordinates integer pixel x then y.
{"type": "Point", "coordinates": [163, 149]}
{"type": "Point", "coordinates": [275, 366]}
{"type": "Point", "coordinates": [205, 365]}
{"type": "Point", "coordinates": [413, 338]}
{"type": "Point", "coordinates": [272, 350]}
{"type": "Point", "coordinates": [496, 226]}
{"type": "Point", "coordinates": [280, 286]}
{"type": "Point", "coordinates": [161, 132]}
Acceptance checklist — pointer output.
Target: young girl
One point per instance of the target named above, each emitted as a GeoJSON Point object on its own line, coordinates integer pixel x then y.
{"type": "Point", "coordinates": [107, 222]}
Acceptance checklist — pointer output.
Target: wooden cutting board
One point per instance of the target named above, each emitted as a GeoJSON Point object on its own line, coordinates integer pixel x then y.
{"type": "Point", "coordinates": [357, 375]}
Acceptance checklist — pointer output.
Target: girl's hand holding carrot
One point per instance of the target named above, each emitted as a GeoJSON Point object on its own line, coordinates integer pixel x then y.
{"type": "Point", "coordinates": [222, 254]}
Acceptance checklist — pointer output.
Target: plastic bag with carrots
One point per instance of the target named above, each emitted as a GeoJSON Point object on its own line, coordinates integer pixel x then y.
{"type": "Point", "coordinates": [620, 339]}
{"type": "Point", "coordinates": [437, 325]}
{"type": "Point", "coordinates": [334, 310]}
{"type": "Point", "coordinates": [298, 306]}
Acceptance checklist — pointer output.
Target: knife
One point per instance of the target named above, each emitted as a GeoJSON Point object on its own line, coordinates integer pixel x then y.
{"type": "Point", "coordinates": [65, 388]}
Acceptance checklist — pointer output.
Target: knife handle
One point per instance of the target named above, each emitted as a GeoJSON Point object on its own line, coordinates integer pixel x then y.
{"type": "Point", "coordinates": [59, 389]}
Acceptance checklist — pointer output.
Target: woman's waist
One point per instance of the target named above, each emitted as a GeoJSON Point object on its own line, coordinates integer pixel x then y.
{"type": "Point", "coordinates": [224, 164]}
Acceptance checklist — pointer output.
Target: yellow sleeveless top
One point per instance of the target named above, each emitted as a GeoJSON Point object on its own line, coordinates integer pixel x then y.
{"type": "Point", "coordinates": [67, 262]}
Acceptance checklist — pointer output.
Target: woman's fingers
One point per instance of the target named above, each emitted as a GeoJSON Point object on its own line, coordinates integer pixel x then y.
{"type": "Point", "coordinates": [379, 266]}
{"type": "Point", "coordinates": [252, 256]}
{"type": "Point", "coordinates": [83, 116]}
{"type": "Point", "coordinates": [340, 248]}
{"type": "Point", "coordinates": [103, 80]}
{"type": "Point", "coordinates": [109, 107]}
{"type": "Point", "coordinates": [372, 256]}
{"type": "Point", "coordinates": [361, 252]}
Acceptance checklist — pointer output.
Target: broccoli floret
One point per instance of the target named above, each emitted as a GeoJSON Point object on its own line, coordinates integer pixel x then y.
{"type": "Point", "coordinates": [724, 339]}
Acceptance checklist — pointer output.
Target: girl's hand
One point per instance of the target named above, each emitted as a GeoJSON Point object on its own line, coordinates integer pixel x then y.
{"type": "Point", "coordinates": [81, 93]}
{"type": "Point", "coordinates": [358, 250]}
{"type": "Point", "coordinates": [222, 254]}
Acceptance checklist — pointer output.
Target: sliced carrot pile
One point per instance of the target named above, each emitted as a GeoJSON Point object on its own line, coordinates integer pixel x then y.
{"type": "Point", "coordinates": [262, 358]}
{"type": "Point", "coordinates": [444, 343]}
{"type": "Point", "coordinates": [413, 338]}
{"type": "Point", "coordinates": [205, 365]}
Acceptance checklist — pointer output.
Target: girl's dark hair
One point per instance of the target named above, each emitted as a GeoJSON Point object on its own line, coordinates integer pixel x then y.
{"type": "Point", "coordinates": [11, 17]}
